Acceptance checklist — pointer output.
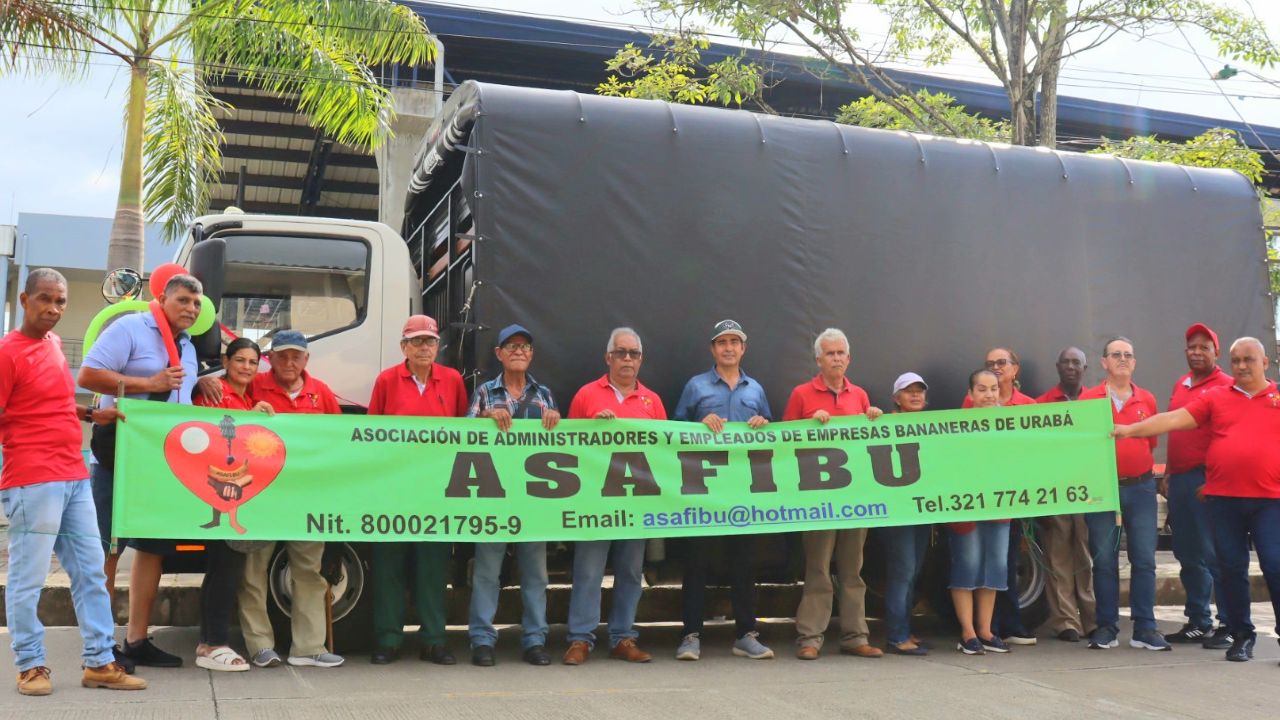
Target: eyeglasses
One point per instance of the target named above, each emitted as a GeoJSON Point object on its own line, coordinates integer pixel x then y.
{"type": "Point", "coordinates": [517, 347]}
{"type": "Point", "coordinates": [999, 363]}
{"type": "Point", "coordinates": [1118, 355]}
{"type": "Point", "coordinates": [422, 340]}
{"type": "Point", "coordinates": [625, 354]}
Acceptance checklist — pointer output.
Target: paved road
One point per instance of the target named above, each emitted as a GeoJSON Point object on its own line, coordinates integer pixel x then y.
{"type": "Point", "coordinates": [1051, 680]}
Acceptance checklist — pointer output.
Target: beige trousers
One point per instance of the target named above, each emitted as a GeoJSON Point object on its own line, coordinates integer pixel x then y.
{"type": "Point", "coordinates": [814, 613]}
{"type": "Point", "coordinates": [1069, 585]}
{"type": "Point", "coordinates": [308, 590]}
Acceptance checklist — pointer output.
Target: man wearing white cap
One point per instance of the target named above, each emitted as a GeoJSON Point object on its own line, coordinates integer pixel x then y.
{"type": "Point", "coordinates": [723, 394]}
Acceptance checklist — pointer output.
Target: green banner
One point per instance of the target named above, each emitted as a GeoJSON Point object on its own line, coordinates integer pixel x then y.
{"type": "Point", "coordinates": [198, 473]}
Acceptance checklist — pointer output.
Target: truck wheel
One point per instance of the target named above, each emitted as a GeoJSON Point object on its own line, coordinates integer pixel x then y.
{"type": "Point", "coordinates": [346, 569]}
{"type": "Point", "coordinates": [1032, 576]}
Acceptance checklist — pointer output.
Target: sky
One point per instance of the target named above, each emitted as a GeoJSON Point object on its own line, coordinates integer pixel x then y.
{"type": "Point", "coordinates": [61, 151]}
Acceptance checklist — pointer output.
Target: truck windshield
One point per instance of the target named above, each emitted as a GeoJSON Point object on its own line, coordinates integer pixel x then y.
{"type": "Point", "coordinates": [316, 285]}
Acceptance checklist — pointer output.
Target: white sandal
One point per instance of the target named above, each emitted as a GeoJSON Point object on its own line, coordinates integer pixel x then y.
{"type": "Point", "coordinates": [222, 659]}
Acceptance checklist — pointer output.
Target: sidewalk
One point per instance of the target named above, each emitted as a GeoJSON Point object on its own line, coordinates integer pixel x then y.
{"type": "Point", "coordinates": [1051, 681]}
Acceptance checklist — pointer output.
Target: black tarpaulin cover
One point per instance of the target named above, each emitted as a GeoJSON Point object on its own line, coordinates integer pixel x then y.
{"type": "Point", "coordinates": [596, 212]}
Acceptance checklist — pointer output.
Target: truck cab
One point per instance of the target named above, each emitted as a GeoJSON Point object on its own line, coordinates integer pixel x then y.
{"type": "Point", "coordinates": [347, 285]}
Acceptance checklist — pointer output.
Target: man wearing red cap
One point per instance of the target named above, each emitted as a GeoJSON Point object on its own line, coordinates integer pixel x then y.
{"type": "Point", "coordinates": [418, 386]}
{"type": "Point", "coordinates": [1192, 541]}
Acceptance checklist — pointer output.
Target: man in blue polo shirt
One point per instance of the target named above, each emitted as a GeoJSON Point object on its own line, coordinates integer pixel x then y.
{"type": "Point", "coordinates": [723, 394]}
{"type": "Point", "coordinates": [131, 353]}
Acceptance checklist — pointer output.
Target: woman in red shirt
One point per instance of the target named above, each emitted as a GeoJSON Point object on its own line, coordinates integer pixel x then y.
{"type": "Point", "coordinates": [224, 565]}
{"type": "Point", "coordinates": [979, 568]}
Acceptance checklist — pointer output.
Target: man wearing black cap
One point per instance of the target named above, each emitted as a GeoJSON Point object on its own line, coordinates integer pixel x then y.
{"type": "Point", "coordinates": [512, 395]}
{"type": "Point", "coordinates": [1192, 540]}
{"type": "Point", "coordinates": [723, 394]}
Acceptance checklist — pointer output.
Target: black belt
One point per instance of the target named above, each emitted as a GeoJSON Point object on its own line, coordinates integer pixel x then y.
{"type": "Point", "coordinates": [1127, 481]}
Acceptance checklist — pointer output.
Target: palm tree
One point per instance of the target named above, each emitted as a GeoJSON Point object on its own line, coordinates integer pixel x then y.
{"type": "Point", "coordinates": [318, 51]}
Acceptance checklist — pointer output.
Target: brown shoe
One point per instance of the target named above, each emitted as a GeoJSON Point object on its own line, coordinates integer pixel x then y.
{"type": "Point", "coordinates": [866, 651]}
{"type": "Point", "coordinates": [35, 681]}
{"type": "Point", "coordinates": [112, 677]}
{"type": "Point", "coordinates": [807, 652]}
{"type": "Point", "coordinates": [626, 649]}
{"type": "Point", "coordinates": [577, 653]}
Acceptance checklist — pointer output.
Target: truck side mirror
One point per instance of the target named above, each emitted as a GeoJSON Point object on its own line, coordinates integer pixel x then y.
{"type": "Point", "coordinates": [208, 265]}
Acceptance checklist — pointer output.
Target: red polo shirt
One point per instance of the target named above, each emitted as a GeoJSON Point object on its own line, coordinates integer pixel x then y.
{"type": "Point", "coordinates": [1243, 459]}
{"type": "Point", "coordinates": [1018, 399]}
{"type": "Point", "coordinates": [641, 404]}
{"type": "Point", "coordinates": [1053, 395]}
{"type": "Point", "coordinates": [1133, 455]}
{"type": "Point", "coordinates": [315, 398]}
{"type": "Point", "coordinates": [395, 392]}
{"type": "Point", "coordinates": [39, 430]}
{"type": "Point", "coordinates": [1187, 448]}
{"type": "Point", "coordinates": [814, 395]}
{"type": "Point", "coordinates": [230, 400]}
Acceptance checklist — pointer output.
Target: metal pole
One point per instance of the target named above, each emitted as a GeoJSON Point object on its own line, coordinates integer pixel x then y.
{"type": "Point", "coordinates": [21, 254]}
{"type": "Point", "coordinates": [439, 81]}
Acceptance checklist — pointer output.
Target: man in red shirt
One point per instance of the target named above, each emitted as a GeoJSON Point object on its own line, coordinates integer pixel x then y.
{"type": "Point", "coordinates": [1242, 481]}
{"type": "Point", "coordinates": [421, 387]}
{"type": "Point", "coordinates": [1129, 404]}
{"type": "Point", "coordinates": [1192, 540]}
{"type": "Point", "coordinates": [288, 388]}
{"type": "Point", "coordinates": [46, 495]}
{"type": "Point", "coordinates": [617, 394]}
{"type": "Point", "coordinates": [1065, 538]}
{"type": "Point", "coordinates": [829, 394]}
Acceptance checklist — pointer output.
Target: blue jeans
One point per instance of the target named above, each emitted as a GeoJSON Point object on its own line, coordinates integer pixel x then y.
{"type": "Point", "coordinates": [1235, 521]}
{"type": "Point", "coordinates": [1193, 546]}
{"type": "Point", "coordinates": [979, 558]}
{"type": "Point", "coordinates": [904, 549]}
{"type": "Point", "coordinates": [486, 585]}
{"type": "Point", "coordinates": [589, 559]}
{"type": "Point", "coordinates": [1138, 513]}
{"type": "Point", "coordinates": [44, 519]}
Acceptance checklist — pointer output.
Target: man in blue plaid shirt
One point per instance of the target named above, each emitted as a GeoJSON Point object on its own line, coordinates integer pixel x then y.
{"type": "Point", "coordinates": [512, 395]}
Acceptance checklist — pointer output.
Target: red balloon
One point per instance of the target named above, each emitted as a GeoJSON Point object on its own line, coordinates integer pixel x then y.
{"type": "Point", "coordinates": [162, 275]}
{"type": "Point", "coordinates": [166, 333]}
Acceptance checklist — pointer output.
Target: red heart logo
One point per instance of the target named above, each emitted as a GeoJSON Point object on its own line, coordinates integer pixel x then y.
{"type": "Point", "coordinates": [225, 465]}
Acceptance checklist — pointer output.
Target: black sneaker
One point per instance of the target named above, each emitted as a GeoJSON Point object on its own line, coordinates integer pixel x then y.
{"type": "Point", "coordinates": [123, 659]}
{"type": "Point", "coordinates": [1241, 649]}
{"type": "Point", "coordinates": [482, 656]}
{"type": "Point", "coordinates": [146, 653]}
{"type": "Point", "coordinates": [1069, 635]}
{"type": "Point", "coordinates": [1190, 634]}
{"type": "Point", "coordinates": [1220, 639]}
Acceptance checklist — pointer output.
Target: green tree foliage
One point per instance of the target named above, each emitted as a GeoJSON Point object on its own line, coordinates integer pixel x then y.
{"type": "Point", "coordinates": [1022, 43]}
{"type": "Point", "coordinates": [320, 52]}
{"type": "Point", "coordinates": [873, 112]}
{"type": "Point", "coordinates": [676, 73]}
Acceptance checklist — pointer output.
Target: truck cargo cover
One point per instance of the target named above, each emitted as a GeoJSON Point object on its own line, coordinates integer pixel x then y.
{"type": "Point", "coordinates": [596, 212]}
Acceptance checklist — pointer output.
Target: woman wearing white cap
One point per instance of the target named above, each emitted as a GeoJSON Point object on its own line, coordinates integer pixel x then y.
{"type": "Point", "coordinates": [905, 545]}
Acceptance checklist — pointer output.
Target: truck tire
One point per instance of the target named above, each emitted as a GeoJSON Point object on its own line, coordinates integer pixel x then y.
{"type": "Point", "coordinates": [346, 567]}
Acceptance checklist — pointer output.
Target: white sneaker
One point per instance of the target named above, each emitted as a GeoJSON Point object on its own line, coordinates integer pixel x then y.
{"type": "Point", "coordinates": [326, 660]}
